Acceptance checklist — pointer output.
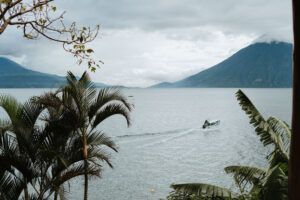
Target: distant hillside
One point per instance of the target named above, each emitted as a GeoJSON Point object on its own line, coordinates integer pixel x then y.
{"type": "Point", "coordinates": [13, 75]}
{"type": "Point", "coordinates": [260, 65]}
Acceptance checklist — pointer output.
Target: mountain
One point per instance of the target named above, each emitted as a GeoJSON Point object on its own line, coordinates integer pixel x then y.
{"type": "Point", "coordinates": [260, 65]}
{"type": "Point", "coordinates": [13, 75]}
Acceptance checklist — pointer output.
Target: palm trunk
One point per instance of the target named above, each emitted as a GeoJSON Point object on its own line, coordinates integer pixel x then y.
{"type": "Point", "coordinates": [86, 183]}
{"type": "Point", "coordinates": [294, 162]}
{"type": "Point", "coordinates": [26, 193]}
{"type": "Point", "coordinates": [55, 195]}
{"type": "Point", "coordinates": [42, 182]}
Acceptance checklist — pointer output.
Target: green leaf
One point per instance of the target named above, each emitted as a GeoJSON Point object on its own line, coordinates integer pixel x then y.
{"type": "Point", "coordinates": [205, 190]}
{"type": "Point", "coordinates": [90, 51]}
{"type": "Point", "coordinates": [244, 175]}
{"type": "Point", "coordinates": [28, 36]}
{"type": "Point", "coordinates": [271, 131]}
{"type": "Point", "coordinates": [276, 185]}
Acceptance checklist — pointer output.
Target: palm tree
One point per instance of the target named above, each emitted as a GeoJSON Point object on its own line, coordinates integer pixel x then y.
{"type": "Point", "coordinates": [269, 184]}
{"type": "Point", "coordinates": [88, 108]}
{"type": "Point", "coordinates": [65, 149]}
{"type": "Point", "coordinates": [17, 154]}
{"type": "Point", "coordinates": [24, 156]}
{"type": "Point", "coordinates": [43, 156]}
{"type": "Point", "coordinates": [59, 153]}
{"type": "Point", "coordinates": [64, 152]}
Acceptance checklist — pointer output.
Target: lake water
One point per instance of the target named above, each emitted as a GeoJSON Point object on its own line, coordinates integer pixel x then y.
{"type": "Point", "coordinates": [166, 143]}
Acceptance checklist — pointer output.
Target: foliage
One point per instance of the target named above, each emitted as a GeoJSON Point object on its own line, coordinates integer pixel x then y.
{"type": "Point", "coordinates": [39, 18]}
{"type": "Point", "coordinates": [87, 108]}
{"type": "Point", "coordinates": [178, 195]}
{"type": "Point", "coordinates": [204, 191]}
{"type": "Point", "coordinates": [32, 155]}
{"type": "Point", "coordinates": [244, 175]}
{"type": "Point", "coordinates": [52, 139]}
{"type": "Point", "coordinates": [269, 184]}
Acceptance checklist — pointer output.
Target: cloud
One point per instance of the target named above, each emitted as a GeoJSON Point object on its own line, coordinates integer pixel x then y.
{"type": "Point", "coordinates": [145, 42]}
{"type": "Point", "coordinates": [274, 37]}
{"type": "Point", "coordinates": [151, 57]}
{"type": "Point", "coordinates": [257, 16]}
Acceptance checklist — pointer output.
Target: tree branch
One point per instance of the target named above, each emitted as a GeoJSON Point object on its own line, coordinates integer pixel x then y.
{"type": "Point", "coordinates": [36, 21]}
{"type": "Point", "coordinates": [9, 6]}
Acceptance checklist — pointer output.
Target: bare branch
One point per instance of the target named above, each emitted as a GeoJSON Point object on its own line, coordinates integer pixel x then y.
{"type": "Point", "coordinates": [29, 10]}
{"type": "Point", "coordinates": [8, 6]}
{"type": "Point", "coordinates": [36, 19]}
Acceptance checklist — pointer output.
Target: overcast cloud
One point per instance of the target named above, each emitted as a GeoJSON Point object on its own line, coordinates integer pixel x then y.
{"type": "Point", "coordinates": [143, 42]}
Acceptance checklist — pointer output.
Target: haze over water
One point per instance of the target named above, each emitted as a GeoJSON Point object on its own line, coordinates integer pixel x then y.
{"type": "Point", "coordinates": [166, 143]}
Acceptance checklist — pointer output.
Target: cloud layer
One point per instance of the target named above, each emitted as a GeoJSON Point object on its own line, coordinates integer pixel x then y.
{"type": "Point", "coordinates": [146, 42]}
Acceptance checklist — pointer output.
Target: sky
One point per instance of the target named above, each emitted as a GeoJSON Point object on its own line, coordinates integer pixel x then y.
{"type": "Point", "coordinates": [145, 42]}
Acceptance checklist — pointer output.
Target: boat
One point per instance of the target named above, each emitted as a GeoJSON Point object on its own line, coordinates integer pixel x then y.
{"type": "Point", "coordinates": [208, 124]}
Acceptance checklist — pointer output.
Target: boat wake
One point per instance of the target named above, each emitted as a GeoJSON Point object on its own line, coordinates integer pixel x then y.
{"type": "Point", "coordinates": [157, 133]}
{"type": "Point", "coordinates": [149, 139]}
{"type": "Point", "coordinates": [171, 137]}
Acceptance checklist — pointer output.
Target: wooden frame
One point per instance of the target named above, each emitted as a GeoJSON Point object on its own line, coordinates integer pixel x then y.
{"type": "Point", "coordinates": [294, 162]}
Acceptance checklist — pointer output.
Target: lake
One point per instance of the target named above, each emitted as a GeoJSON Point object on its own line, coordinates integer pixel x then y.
{"type": "Point", "coordinates": [166, 143]}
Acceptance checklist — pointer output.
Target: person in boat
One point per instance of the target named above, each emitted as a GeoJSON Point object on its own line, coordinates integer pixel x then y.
{"type": "Point", "coordinates": [211, 123]}
{"type": "Point", "coordinates": [206, 123]}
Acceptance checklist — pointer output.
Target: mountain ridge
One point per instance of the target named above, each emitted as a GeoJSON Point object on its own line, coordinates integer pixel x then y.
{"type": "Point", "coordinates": [259, 65]}
{"type": "Point", "coordinates": [14, 75]}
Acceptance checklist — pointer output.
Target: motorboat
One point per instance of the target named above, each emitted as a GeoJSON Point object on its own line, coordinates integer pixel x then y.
{"type": "Point", "coordinates": [211, 123]}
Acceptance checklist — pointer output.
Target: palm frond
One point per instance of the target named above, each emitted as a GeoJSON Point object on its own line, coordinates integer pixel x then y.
{"type": "Point", "coordinates": [8, 143]}
{"type": "Point", "coordinates": [265, 129]}
{"type": "Point", "coordinates": [71, 78]}
{"type": "Point", "coordinates": [82, 91]}
{"type": "Point", "coordinates": [244, 175]}
{"type": "Point", "coordinates": [98, 139]}
{"type": "Point", "coordinates": [86, 84]}
{"type": "Point", "coordinates": [62, 192]}
{"type": "Point", "coordinates": [16, 164]}
{"type": "Point", "coordinates": [283, 129]}
{"type": "Point", "coordinates": [48, 99]}
{"type": "Point", "coordinates": [276, 184]}
{"type": "Point", "coordinates": [110, 110]}
{"type": "Point", "coordinates": [11, 106]}
{"type": "Point", "coordinates": [73, 171]}
{"type": "Point", "coordinates": [10, 187]}
{"type": "Point", "coordinates": [95, 155]}
{"type": "Point", "coordinates": [249, 108]}
{"type": "Point", "coordinates": [5, 125]}
{"type": "Point", "coordinates": [277, 157]}
{"type": "Point", "coordinates": [205, 190]}
{"type": "Point", "coordinates": [105, 96]}
{"type": "Point", "coordinates": [29, 115]}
